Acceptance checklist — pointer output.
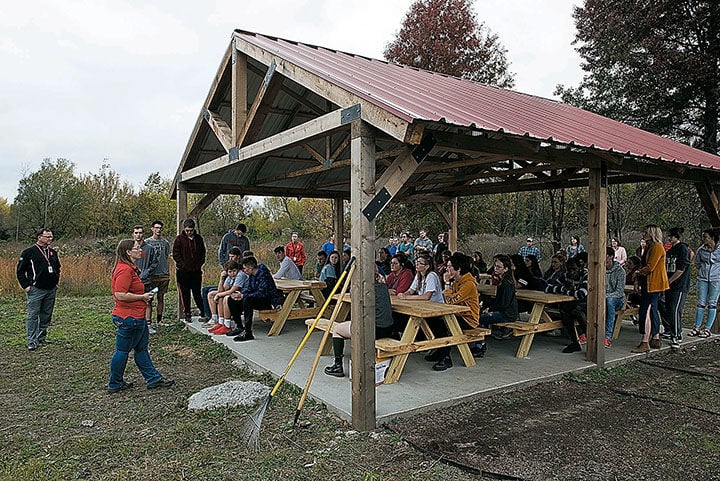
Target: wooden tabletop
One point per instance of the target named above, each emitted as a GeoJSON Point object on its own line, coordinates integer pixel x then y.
{"type": "Point", "coordinates": [528, 295]}
{"type": "Point", "coordinates": [418, 308]}
{"type": "Point", "coordinates": [298, 285]}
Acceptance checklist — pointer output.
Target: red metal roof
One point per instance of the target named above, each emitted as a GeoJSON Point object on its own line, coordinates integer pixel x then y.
{"type": "Point", "coordinates": [414, 94]}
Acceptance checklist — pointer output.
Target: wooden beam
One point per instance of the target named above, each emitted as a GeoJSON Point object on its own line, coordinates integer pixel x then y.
{"type": "Point", "coordinates": [264, 190]}
{"type": "Point", "coordinates": [220, 128]}
{"type": "Point", "coordinates": [238, 94]}
{"type": "Point", "coordinates": [203, 204]}
{"type": "Point", "coordinates": [324, 125]}
{"type": "Point", "coordinates": [709, 200]}
{"type": "Point", "coordinates": [395, 176]}
{"type": "Point", "coordinates": [597, 244]}
{"type": "Point", "coordinates": [268, 90]}
{"type": "Point", "coordinates": [362, 188]}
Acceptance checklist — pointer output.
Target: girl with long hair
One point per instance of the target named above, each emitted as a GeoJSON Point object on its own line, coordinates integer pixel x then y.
{"type": "Point", "coordinates": [653, 282]}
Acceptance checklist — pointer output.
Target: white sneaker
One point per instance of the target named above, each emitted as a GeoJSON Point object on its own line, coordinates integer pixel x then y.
{"type": "Point", "coordinates": [151, 330]}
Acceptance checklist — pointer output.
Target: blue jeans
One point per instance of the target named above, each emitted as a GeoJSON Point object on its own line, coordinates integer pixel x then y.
{"type": "Point", "coordinates": [707, 297]}
{"type": "Point", "coordinates": [206, 306]}
{"type": "Point", "coordinates": [492, 317]}
{"type": "Point", "coordinates": [132, 334]}
{"type": "Point", "coordinates": [40, 305]}
{"type": "Point", "coordinates": [612, 304]}
{"type": "Point", "coordinates": [649, 308]}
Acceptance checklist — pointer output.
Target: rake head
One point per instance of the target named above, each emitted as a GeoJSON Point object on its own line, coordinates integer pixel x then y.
{"type": "Point", "coordinates": [250, 432]}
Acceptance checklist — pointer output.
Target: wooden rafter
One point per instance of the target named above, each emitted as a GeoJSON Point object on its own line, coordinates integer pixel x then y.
{"type": "Point", "coordinates": [220, 128]}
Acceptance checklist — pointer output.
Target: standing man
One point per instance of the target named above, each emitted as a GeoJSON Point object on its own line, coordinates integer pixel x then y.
{"type": "Point", "coordinates": [288, 269]}
{"type": "Point", "coordinates": [189, 255]}
{"type": "Point", "coordinates": [160, 278]}
{"type": "Point", "coordinates": [38, 272]}
{"type": "Point", "coordinates": [295, 250]}
{"type": "Point", "coordinates": [147, 263]}
{"type": "Point", "coordinates": [233, 238]}
{"type": "Point", "coordinates": [424, 243]}
{"type": "Point", "coordinates": [529, 249]}
{"type": "Point", "coordinates": [329, 246]}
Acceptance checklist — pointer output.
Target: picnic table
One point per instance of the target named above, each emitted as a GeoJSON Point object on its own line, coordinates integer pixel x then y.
{"type": "Point", "coordinates": [540, 320]}
{"type": "Point", "coordinates": [289, 310]}
{"type": "Point", "coordinates": [419, 312]}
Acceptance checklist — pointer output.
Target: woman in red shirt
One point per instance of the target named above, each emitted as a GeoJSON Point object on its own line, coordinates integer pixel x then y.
{"type": "Point", "coordinates": [128, 315]}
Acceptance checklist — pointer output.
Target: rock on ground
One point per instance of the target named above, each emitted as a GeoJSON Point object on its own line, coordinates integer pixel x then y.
{"type": "Point", "coordinates": [228, 394]}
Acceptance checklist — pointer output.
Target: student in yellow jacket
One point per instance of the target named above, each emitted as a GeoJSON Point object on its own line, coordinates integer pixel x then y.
{"type": "Point", "coordinates": [653, 282]}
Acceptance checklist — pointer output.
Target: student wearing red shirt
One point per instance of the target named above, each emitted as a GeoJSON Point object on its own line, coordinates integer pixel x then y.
{"type": "Point", "coordinates": [128, 315]}
{"type": "Point", "coordinates": [295, 250]}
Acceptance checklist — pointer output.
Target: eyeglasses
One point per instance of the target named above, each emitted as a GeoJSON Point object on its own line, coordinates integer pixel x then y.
{"type": "Point", "coordinates": [420, 264]}
{"type": "Point", "coordinates": [47, 236]}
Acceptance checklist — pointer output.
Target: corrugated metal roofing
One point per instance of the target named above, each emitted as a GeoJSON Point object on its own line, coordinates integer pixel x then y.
{"type": "Point", "coordinates": [417, 95]}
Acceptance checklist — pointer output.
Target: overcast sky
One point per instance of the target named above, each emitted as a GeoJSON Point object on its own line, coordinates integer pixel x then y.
{"type": "Point", "coordinates": [124, 80]}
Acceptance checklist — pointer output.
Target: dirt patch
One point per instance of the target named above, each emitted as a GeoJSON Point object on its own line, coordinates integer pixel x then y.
{"type": "Point", "coordinates": [649, 421]}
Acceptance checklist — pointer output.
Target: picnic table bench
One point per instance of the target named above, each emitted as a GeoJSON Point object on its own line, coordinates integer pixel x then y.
{"type": "Point", "coordinates": [289, 310]}
{"type": "Point", "coordinates": [419, 312]}
{"type": "Point", "coordinates": [539, 321]}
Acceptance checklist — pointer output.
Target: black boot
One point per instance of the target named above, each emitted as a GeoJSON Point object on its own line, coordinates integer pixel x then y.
{"type": "Point", "coordinates": [479, 349]}
{"type": "Point", "coordinates": [336, 369]}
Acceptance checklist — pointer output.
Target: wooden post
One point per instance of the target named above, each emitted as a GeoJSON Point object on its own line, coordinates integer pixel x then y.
{"type": "Point", "coordinates": [362, 190]}
{"type": "Point", "coordinates": [238, 95]}
{"type": "Point", "coordinates": [338, 222]}
{"type": "Point", "coordinates": [597, 244]}
{"type": "Point", "coordinates": [452, 233]}
{"type": "Point", "coordinates": [182, 198]}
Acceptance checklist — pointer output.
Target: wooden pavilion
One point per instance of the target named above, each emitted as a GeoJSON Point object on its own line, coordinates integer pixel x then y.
{"type": "Point", "coordinates": [284, 118]}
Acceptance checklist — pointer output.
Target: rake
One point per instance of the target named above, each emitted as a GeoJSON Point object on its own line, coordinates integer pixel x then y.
{"type": "Point", "coordinates": [250, 432]}
{"type": "Point", "coordinates": [326, 334]}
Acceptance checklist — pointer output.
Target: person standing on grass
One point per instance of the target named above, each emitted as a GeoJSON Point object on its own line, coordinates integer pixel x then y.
{"type": "Point", "coordinates": [530, 249]}
{"type": "Point", "coordinates": [38, 272]}
{"type": "Point", "coordinates": [160, 278]}
{"type": "Point", "coordinates": [128, 315]}
{"type": "Point", "coordinates": [295, 250]}
{"type": "Point", "coordinates": [147, 263]}
{"type": "Point", "coordinates": [189, 255]}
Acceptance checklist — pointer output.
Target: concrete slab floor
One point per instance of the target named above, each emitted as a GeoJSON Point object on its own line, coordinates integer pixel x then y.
{"type": "Point", "coordinates": [420, 388]}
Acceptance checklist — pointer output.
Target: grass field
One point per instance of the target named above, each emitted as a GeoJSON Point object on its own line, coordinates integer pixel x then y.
{"type": "Point", "coordinates": [58, 422]}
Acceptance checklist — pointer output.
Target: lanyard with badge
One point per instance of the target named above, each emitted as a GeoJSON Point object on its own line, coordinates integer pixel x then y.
{"type": "Point", "coordinates": [47, 258]}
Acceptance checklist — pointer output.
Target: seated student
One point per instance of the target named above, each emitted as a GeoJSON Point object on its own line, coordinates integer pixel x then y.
{"type": "Point", "coordinates": [383, 327]}
{"type": "Point", "coordinates": [401, 276]}
{"type": "Point", "coordinates": [525, 280]}
{"type": "Point", "coordinates": [441, 267]}
{"type": "Point", "coordinates": [504, 307]}
{"type": "Point", "coordinates": [346, 254]}
{"type": "Point", "coordinates": [288, 269]}
{"type": "Point", "coordinates": [321, 261]}
{"type": "Point", "coordinates": [557, 266]}
{"type": "Point", "coordinates": [531, 263]}
{"type": "Point", "coordinates": [426, 284]}
{"type": "Point", "coordinates": [634, 263]}
{"type": "Point", "coordinates": [233, 255]}
{"type": "Point", "coordinates": [479, 264]}
{"type": "Point", "coordinates": [383, 260]}
{"type": "Point", "coordinates": [330, 273]}
{"type": "Point", "coordinates": [572, 283]}
{"type": "Point", "coordinates": [261, 293]}
{"type": "Point", "coordinates": [220, 313]}
{"type": "Point", "coordinates": [614, 292]}
{"type": "Point", "coordinates": [462, 291]}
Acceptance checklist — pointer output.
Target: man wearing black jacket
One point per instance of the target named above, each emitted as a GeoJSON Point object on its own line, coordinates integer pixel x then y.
{"type": "Point", "coordinates": [38, 272]}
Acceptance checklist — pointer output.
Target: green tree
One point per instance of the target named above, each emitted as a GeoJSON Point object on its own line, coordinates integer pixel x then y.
{"type": "Point", "coordinates": [108, 209]}
{"type": "Point", "coordinates": [6, 219]}
{"type": "Point", "coordinates": [50, 197]}
{"type": "Point", "coordinates": [445, 36]}
{"type": "Point", "coordinates": [153, 203]}
{"type": "Point", "coordinates": [655, 65]}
